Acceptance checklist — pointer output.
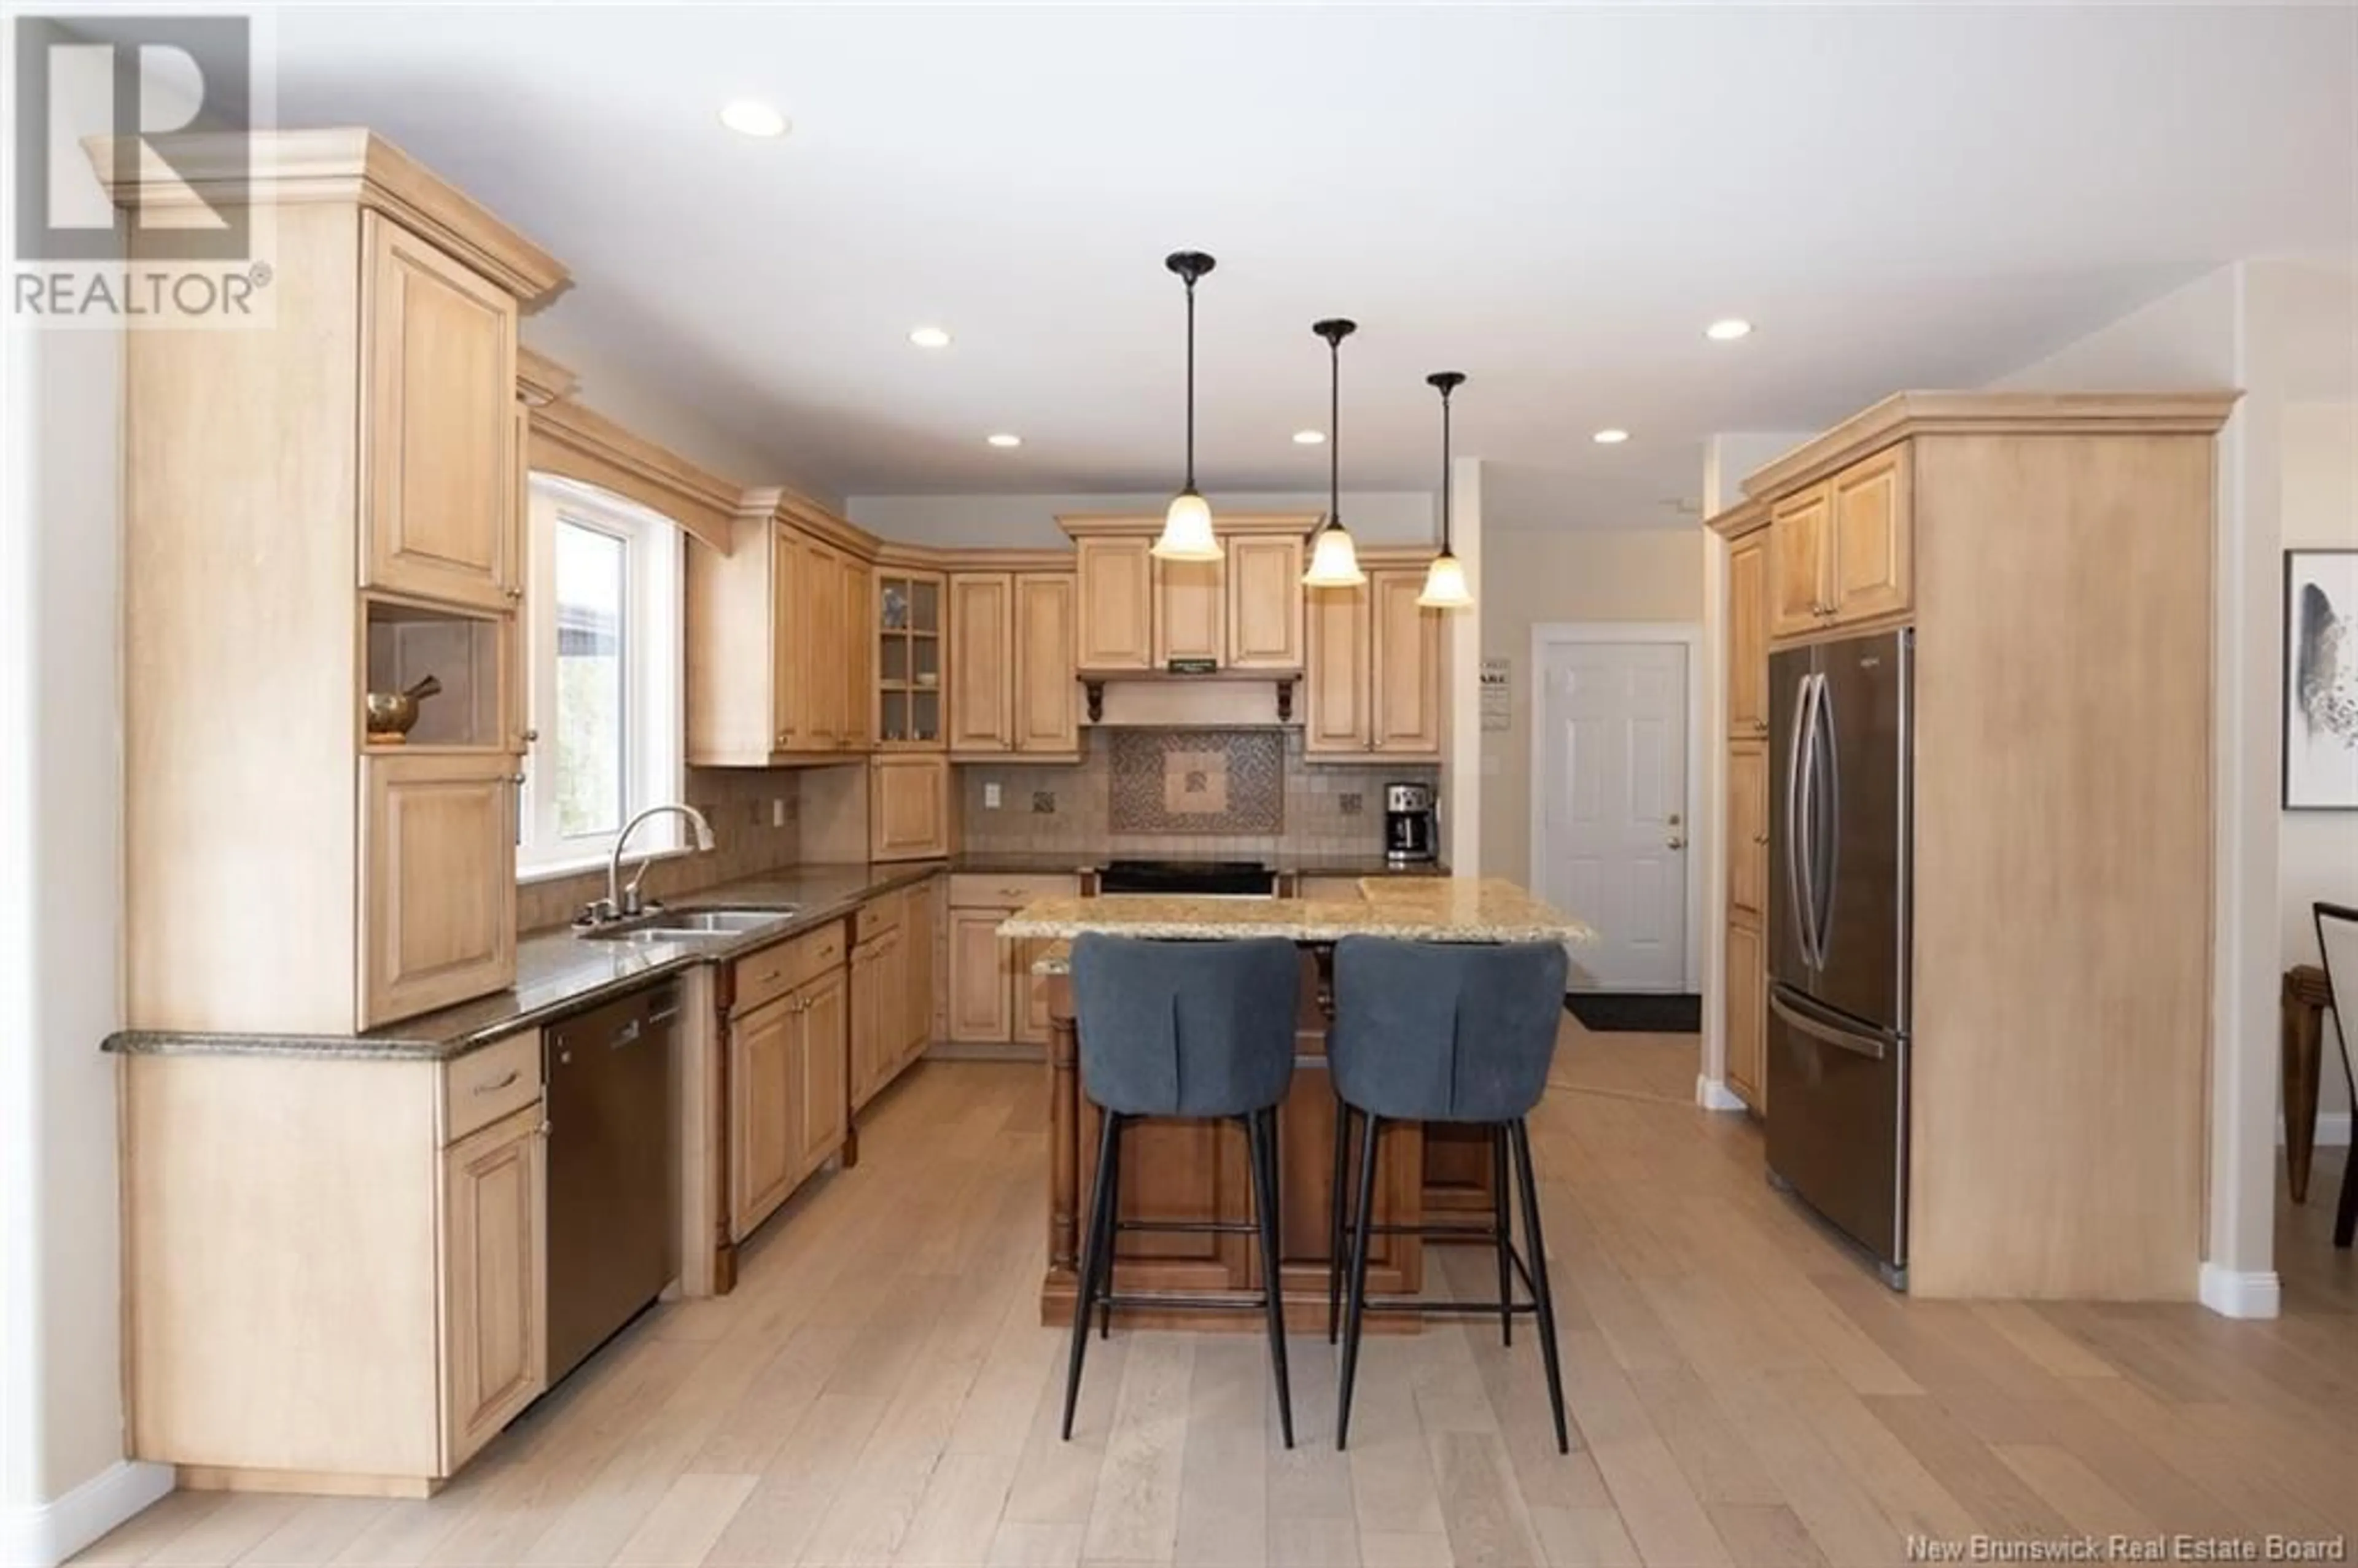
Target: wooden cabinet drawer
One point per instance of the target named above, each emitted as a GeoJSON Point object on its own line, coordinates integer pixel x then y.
{"type": "Point", "coordinates": [776, 970]}
{"type": "Point", "coordinates": [877, 917]}
{"type": "Point", "coordinates": [483, 1085]}
{"type": "Point", "coordinates": [974, 891]}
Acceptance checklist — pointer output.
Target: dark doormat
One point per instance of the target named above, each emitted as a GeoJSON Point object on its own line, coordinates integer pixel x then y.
{"type": "Point", "coordinates": [1636, 1012]}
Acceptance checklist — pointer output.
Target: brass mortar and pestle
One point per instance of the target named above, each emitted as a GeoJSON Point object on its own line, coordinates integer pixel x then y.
{"type": "Point", "coordinates": [391, 713]}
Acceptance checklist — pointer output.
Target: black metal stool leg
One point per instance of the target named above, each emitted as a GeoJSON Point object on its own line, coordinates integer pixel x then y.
{"type": "Point", "coordinates": [1370, 1129]}
{"type": "Point", "coordinates": [1096, 1244]}
{"type": "Point", "coordinates": [1260, 1134]}
{"type": "Point", "coordinates": [1540, 1295]}
{"type": "Point", "coordinates": [1503, 1236]}
{"type": "Point", "coordinates": [1339, 1213]}
{"type": "Point", "coordinates": [2345, 1217]}
{"type": "Point", "coordinates": [1112, 1168]}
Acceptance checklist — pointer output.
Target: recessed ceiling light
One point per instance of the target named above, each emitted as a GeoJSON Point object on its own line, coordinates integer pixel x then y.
{"type": "Point", "coordinates": [752, 117]}
{"type": "Point", "coordinates": [1310, 438]}
{"type": "Point", "coordinates": [1728, 330]}
{"type": "Point", "coordinates": [1004, 439]}
{"type": "Point", "coordinates": [1610, 438]}
{"type": "Point", "coordinates": [930, 337]}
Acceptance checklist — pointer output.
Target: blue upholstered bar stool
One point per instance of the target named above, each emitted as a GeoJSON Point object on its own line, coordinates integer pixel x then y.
{"type": "Point", "coordinates": [1440, 1031]}
{"type": "Point", "coordinates": [1199, 1030]}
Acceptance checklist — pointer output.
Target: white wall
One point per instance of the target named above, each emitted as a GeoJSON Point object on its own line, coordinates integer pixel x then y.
{"type": "Point", "coordinates": [2255, 325]}
{"type": "Point", "coordinates": [2317, 851]}
{"type": "Point", "coordinates": [1374, 517]}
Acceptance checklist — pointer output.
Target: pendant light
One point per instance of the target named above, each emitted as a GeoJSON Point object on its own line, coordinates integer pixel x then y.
{"type": "Point", "coordinates": [1445, 580]}
{"type": "Point", "coordinates": [1334, 561]}
{"type": "Point", "coordinates": [1188, 525]}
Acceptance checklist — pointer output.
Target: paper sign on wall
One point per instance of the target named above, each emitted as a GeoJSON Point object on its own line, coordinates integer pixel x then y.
{"type": "Point", "coordinates": [1496, 674]}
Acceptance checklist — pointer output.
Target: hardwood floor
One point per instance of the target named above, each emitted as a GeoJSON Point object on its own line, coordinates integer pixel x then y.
{"type": "Point", "coordinates": [877, 1391]}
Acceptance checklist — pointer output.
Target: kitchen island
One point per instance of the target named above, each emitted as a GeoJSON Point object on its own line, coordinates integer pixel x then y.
{"type": "Point", "coordinates": [1195, 1172]}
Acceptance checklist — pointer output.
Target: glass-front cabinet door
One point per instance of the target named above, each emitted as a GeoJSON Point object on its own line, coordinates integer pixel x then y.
{"type": "Point", "coordinates": [909, 660]}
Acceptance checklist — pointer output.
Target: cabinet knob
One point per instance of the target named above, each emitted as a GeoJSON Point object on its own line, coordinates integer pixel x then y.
{"type": "Point", "coordinates": [515, 593]}
{"type": "Point", "coordinates": [1760, 727]}
{"type": "Point", "coordinates": [530, 736]}
{"type": "Point", "coordinates": [1760, 837]}
{"type": "Point", "coordinates": [515, 778]}
{"type": "Point", "coordinates": [1674, 842]}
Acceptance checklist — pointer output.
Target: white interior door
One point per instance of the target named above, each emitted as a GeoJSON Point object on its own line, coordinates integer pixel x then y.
{"type": "Point", "coordinates": [1610, 768]}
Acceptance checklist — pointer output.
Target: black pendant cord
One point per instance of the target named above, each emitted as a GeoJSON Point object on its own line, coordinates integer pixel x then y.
{"type": "Point", "coordinates": [1447, 381]}
{"type": "Point", "coordinates": [1190, 265]}
{"type": "Point", "coordinates": [1334, 330]}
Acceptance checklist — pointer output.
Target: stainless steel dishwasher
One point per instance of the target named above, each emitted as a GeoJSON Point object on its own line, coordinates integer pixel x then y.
{"type": "Point", "coordinates": [613, 1172]}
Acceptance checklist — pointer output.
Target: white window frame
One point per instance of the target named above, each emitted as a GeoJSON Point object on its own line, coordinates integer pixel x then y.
{"type": "Point", "coordinates": [653, 711]}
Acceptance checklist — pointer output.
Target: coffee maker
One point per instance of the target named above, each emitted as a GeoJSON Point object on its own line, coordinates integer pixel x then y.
{"type": "Point", "coordinates": [1412, 831]}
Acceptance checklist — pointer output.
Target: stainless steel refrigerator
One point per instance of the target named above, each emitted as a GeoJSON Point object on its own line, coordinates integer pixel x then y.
{"type": "Point", "coordinates": [1840, 748]}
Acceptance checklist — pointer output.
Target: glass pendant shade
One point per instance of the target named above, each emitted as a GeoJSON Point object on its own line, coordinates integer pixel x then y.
{"type": "Point", "coordinates": [1187, 530]}
{"type": "Point", "coordinates": [1444, 585]}
{"type": "Point", "coordinates": [1333, 559]}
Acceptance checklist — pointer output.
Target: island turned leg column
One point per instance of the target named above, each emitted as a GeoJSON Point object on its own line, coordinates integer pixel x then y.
{"type": "Point", "coordinates": [1063, 1131]}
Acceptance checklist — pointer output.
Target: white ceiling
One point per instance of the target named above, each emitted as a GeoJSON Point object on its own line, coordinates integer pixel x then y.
{"type": "Point", "coordinates": [1555, 201]}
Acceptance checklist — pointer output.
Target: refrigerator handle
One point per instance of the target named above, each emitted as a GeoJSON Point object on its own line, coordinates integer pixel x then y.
{"type": "Point", "coordinates": [1840, 1039]}
{"type": "Point", "coordinates": [1826, 744]}
{"type": "Point", "coordinates": [1798, 894]}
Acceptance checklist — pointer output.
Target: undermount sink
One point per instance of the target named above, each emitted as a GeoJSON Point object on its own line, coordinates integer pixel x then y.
{"type": "Point", "coordinates": [688, 925]}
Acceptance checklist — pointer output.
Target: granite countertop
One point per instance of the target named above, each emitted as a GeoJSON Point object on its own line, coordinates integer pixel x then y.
{"type": "Point", "coordinates": [1069, 862]}
{"type": "Point", "coordinates": [1416, 910]}
{"type": "Point", "coordinates": [558, 972]}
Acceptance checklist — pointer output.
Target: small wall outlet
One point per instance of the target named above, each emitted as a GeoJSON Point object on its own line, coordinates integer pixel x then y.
{"type": "Point", "coordinates": [777, 811]}
{"type": "Point", "coordinates": [990, 798]}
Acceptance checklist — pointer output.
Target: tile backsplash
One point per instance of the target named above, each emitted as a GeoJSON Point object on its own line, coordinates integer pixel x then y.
{"type": "Point", "coordinates": [1120, 799]}
{"type": "Point", "coordinates": [741, 804]}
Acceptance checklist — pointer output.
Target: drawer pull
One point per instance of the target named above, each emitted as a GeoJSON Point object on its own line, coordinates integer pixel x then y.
{"type": "Point", "coordinates": [514, 1074]}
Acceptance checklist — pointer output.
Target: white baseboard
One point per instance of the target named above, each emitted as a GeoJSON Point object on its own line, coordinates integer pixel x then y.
{"type": "Point", "coordinates": [45, 1534]}
{"type": "Point", "coordinates": [2256, 1293]}
{"type": "Point", "coordinates": [2332, 1130]}
{"type": "Point", "coordinates": [1713, 1095]}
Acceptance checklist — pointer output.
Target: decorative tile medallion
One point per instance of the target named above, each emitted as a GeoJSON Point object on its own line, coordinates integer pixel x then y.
{"type": "Point", "coordinates": [1228, 782]}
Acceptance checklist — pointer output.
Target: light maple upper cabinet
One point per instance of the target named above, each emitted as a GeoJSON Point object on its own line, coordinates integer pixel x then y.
{"type": "Point", "coordinates": [494, 1279]}
{"type": "Point", "coordinates": [1868, 566]}
{"type": "Point", "coordinates": [855, 641]}
{"type": "Point", "coordinates": [1117, 602]}
{"type": "Point", "coordinates": [908, 808]}
{"type": "Point", "coordinates": [1748, 830]}
{"type": "Point", "coordinates": [1746, 1015]}
{"type": "Point", "coordinates": [437, 894]}
{"type": "Point", "coordinates": [1406, 666]}
{"type": "Point", "coordinates": [980, 674]}
{"type": "Point", "coordinates": [1337, 721]}
{"type": "Point", "coordinates": [438, 456]}
{"type": "Point", "coordinates": [821, 602]}
{"type": "Point", "coordinates": [1265, 603]}
{"type": "Point", "coordinates": [1747, 635]}
{"type": "Point", "coordinates": [1798, 526]}
{"type": "Point", "coordinates": [1841, 551]}
{"type": "Point", "coordinates": [1191, 612]}
{"type": "Point", "coordinates": [1047, 697]}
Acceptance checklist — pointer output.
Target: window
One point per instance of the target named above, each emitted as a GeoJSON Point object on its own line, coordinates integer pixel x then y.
{"type": "Point", "coordinates": [604, 677]}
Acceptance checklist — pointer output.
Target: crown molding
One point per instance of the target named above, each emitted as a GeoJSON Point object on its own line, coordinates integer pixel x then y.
{"type": "Point", "coordinates": [540, 379]}
{"type": "Point", "coordinates": [1739, 519]}
{"type": "Point", "coordinates": [1116, 525]}
{"type": "Point", "coordinates": [348, 164]}
{"type": "Point", "coordinates": [580, 443]}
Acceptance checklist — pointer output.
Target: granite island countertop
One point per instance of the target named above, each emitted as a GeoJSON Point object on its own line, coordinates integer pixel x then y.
{"type": "Point", "coordinates": [558, 972]}
{"type": "Point", "coordinates": [1072, 862]}
{"type": "Point", "coordinates": [1417, 909]}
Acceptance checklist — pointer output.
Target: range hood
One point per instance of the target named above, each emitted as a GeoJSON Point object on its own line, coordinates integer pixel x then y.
{"type": "Point", "coordinates": [1184, 697]}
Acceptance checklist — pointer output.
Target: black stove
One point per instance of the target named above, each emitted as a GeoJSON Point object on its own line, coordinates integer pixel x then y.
{"type": "Point", "coordinates": [1247, 878]}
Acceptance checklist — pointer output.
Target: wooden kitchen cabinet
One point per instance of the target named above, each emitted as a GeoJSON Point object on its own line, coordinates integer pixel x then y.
{"type": "Point", "coordinates": [922, 922]}
{"type": "Point", "coordinates": [1746, 1015]}
{"type": "Point", "coordinates": [1116, 588]}
{"type": "Point", "coordinates": [1029, 1001]}
{"type": "Point", "coordinates": [1747, 635]}
{"type": "Point", "coordinates": [763, 1138]}
{"type": "Point", "coordinates": [908, 644]}
{"type": "Point", "coordinates": [981, 664]}
{"type": "Point", "coordinates": [1376, 673]}
{"type": "Point", "coordinates": [494, 1279]}
{"type": "Point", "coordinates": [908, 808]}
{"type": "Point", "coordinates": [821, 1070]}
{"type": "Point", "coordinates": [437, 450]}
{"type": "Point", "coordinates": [879, 974]}
{"type": "Point", "coordinates": [1748, 830]}
{"type": "Point", "coordinates": [1191, 612]}
{"type": "Point", "coordinates": [982, 999]}
{"type": "Point", "coordinates": [1047, 697]}
{"type": "Point", "coordinates": [855, 641]}
{"type": "Point", "coordinates": [1265, 616]}
{"type": "Point", "coordinates": [1841, 551]}
{"type": "Point", "coordinates": [437, 883]}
